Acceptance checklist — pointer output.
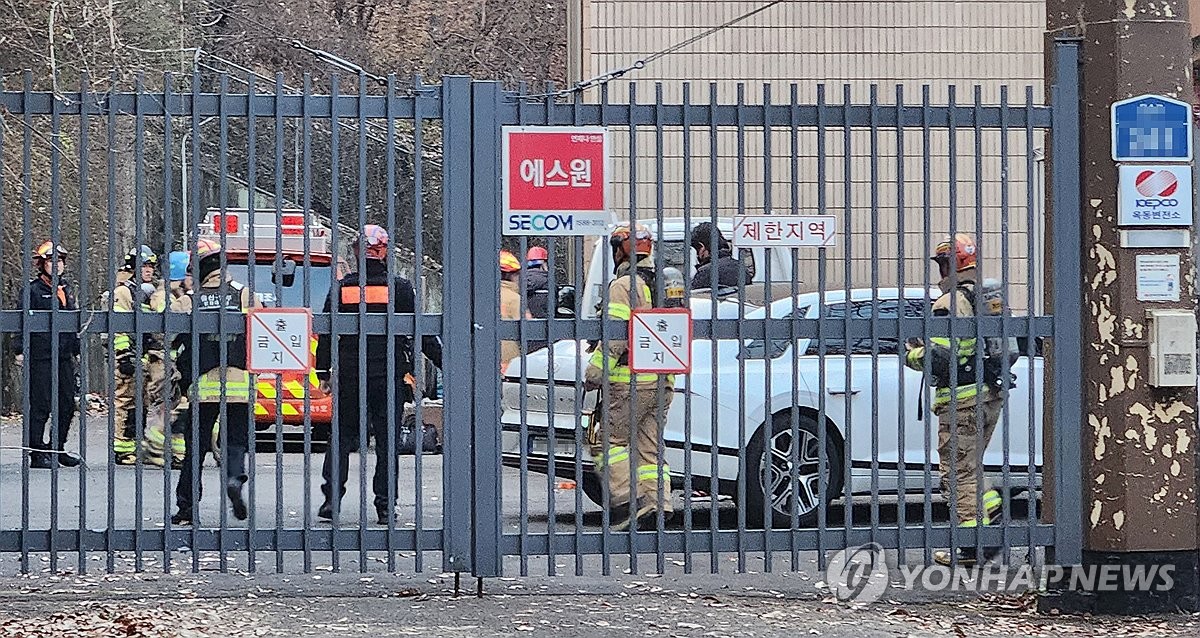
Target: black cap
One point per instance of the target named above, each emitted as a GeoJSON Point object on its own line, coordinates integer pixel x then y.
{"type": "Point", "coordinates": [702, 235]}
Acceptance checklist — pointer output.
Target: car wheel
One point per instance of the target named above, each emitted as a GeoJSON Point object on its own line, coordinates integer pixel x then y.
{"type": "Point", "coordinates": [771, 461]}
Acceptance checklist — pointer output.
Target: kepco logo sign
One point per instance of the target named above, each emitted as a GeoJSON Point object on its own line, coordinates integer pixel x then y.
{"type": "Point", "coordinates": [1155, 195]}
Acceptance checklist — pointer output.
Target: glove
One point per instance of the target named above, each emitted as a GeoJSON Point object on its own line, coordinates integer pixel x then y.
{"type": "Point", "coordinates": [125, 366]}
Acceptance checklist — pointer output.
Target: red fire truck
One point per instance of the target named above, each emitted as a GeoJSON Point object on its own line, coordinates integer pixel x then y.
{"type": "Point", "coordinates": [293, 282]}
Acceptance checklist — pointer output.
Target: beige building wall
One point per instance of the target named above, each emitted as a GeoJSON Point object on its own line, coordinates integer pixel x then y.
{"type": "Point", "coordinates": [838, 43]}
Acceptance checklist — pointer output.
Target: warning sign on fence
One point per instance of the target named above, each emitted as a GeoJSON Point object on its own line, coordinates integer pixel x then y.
{"type": "Point", "coordinates": [660, 340]}
{"type": "Point", "coordinates": [277, 340]}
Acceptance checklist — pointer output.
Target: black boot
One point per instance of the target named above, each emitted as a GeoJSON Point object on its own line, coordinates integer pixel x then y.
{"type": "Point", "coordinates": [234, 490]}
{"type": "Point", "coordinates": [325, 511]}
{"type": "Point", "coordinates": [182, 517]}
{"type": "Point", "coordinates": [39, 460]}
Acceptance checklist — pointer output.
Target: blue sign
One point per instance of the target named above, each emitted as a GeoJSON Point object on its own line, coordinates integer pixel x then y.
{"type": "Point", "coordinates": [1151, 127]}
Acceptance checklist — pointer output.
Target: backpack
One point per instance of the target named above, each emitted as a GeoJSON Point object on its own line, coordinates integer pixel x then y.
{"type": "Point", "coordinates": [409, 437]}
{"type": "Point", "coordinates": [988, 299]}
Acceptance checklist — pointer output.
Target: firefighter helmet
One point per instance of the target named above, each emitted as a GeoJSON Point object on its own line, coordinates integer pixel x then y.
{"type": "Point", "coordinates": [640, 241]}
{"type": "Point", "coordinates": [376, 239]}
{"type": "Point", "coordinates": [44, 251]}
{"type": "Point", "coordinates": [536, 256]}
{"type": "Point", "coordinates": [961, 249]}
{"type": "Point", "coordinates": [147, 257]}
{"type": "Point", "coordinates": [179, 261]}
{"type": "Point", "coordinates": [509, 262]}
{"type": "Point", "coordinates": [207, 248]}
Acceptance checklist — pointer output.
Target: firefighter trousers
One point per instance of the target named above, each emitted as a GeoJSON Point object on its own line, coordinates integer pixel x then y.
{"type": "Point", "coordinates": [348, 438]}
{"type": "Point", "coordinates": [127, 418]}
{"type": "Point", "coordinates": [962, 456]}
{"type": "Point", "coordinates": [635, 432]}
{"type": "Point", "coordinates": [155, 441]}
{"type": "Point", "coordinates": [237, 445]}
{"type": "Point", "coordinates": [43, 404]}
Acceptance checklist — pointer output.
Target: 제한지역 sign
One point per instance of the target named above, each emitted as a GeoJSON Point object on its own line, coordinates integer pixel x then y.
{"type": "Point", "coordinates": [784, 231]}
{"type": "Point", "coordinates": [277, 340]}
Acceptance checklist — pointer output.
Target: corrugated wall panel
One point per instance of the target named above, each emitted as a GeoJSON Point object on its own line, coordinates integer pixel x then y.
{"type": "Point", "coordinates": [935, 43]}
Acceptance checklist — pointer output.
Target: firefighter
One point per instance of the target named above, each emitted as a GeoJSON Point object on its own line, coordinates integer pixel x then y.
{"type": "Point", "coordinates": [232, 385]}
{"type": "Point", "coordinates": [370, 288]}
{"type": "Point", "coordinates": [631, 401]}
{"type": "Point", "coordinates": [178, 297]}
{"type": "Point", "coordinates": [40, 294]}
{"type": "Point", "coordinates": [510, 303]}
{"type": "Point", "coordinates": [960, 446]}
{"type": "Point", "coordinates": [136, 285]}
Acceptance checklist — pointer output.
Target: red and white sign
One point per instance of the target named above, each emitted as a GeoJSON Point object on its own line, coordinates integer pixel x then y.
{"type": "Point", "coordinates": [660, 340]}
{"type": "Point", "coordinates": [278, 340]}
{"type": "Point", "coordinates": [555, 180]}
{"type": "Point", "coordinates": [784, 231]}
{"type": "Point", "coordinates": [1154, 195]}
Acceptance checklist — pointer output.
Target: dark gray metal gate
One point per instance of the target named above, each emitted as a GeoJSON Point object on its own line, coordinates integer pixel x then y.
{"type": "Point", "coordinates": [426, 158]}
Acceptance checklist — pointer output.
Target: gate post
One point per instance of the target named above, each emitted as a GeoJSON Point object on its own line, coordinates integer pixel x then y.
{"type": "Point", "coordinates": [485, 309]}
{"type": "Point", "coordinates": [1138, 470]}
{"type": "Point", "coordinates": [457, 430]}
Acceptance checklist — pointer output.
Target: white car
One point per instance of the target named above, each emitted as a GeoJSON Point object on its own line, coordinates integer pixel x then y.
{"type": "Point", "coordinates": [864, 411]}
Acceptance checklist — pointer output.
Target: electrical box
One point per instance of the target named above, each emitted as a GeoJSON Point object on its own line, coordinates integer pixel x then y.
{"type": "Point", "coordinates": [1172, 348]}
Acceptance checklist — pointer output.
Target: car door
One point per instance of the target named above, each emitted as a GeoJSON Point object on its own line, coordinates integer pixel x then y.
{"type": "Point", "coordinates": [860, 385]}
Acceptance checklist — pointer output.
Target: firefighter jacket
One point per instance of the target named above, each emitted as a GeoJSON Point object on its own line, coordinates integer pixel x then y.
{"type": "Point", "coordinates": [961, 350]}
{"type": "Point", "coordinates": [347, 295]}
{"type": "Point", "coordinates": [39, 295]}
{"type": "Point", "coordinates": [510, 309]}
{"type": "Point", "coordinates": [125, 296]}
{"type": "Point", "coordinates": [627, 292]}
{"type": "Point", "coordinates": [217, 293]}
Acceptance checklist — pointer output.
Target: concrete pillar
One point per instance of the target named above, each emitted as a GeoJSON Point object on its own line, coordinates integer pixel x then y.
{"type": "Point", "coordinates": [1139, 442]}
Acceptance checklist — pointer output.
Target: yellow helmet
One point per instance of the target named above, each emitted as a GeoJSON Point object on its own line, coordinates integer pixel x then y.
{"type": "Point", "coordinates": [509, 262]}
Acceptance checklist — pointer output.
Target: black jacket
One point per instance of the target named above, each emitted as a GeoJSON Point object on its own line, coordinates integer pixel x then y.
{"type": "Point", "coordinates": [730, 272]}
{"type": "Point", "coordinates": [40, 296]}
{"type": "Point", "coordinates": [376, 355]}
{"type": "Point", "coordinates": [537, 293]}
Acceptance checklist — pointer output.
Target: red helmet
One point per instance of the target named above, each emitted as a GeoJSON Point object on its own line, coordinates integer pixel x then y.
{"type": "Point", "coordinates": [536, 255]}
{"type": "Point", "coordinates": [963, 251]}
{"type": "Point", "coordinates": [509, 262]}
{"type": "Point", "coordinates": [376, 239]}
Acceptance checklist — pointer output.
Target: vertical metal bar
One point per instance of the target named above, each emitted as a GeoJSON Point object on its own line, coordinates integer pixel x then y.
{"type": "Point", "coordinates": [391, 461]}
{"type": "Point", "coordinates": [980, 443]}
{"type": "Point", "coordinates": [743, 466]}
{"type": "Point", "coordinates": [794, 313]}
{"type": "Point", "coordinates": [111, 205]}
{"type": "Point", "coordinates": [198, 460]}
{"type": "Point", "coordinates": [823, 487]}
{"type": "Point", "coordinates": [486, 209]}
{"type": "Point", "coordinates": [139, 376]}
{"type": "Point", "coordinates": [632, 442]}
{"type": "Point", "coordinates": [926, 233]}
{"type": "Point", "coordinates": [1032, 437]}
{"type": "Point", "coordinates": [361, 220]}
{"type": "Point", "coordinates": [278, 280]}
{"type": "Point", "coordinates": [523, 410]}
{"type": "Point", "coordinates": [873, 116]}
{"type": "Point", "coordinates": [251, 270]}
{"type": "Point", "coordinates": [333, 451]}
{"type": "Point", "coordinates": [21, 293]}
{"type": "Point", "coordinates": [606, 386]}
{"type": "Point", "coordinates": [55, 342]}
{"type": "Point", "coordinates": [418, 293]}
{"type": "Point", "coordinates": [165, 392]}
{"type": "Point", "coordinates": [687, 396]}
{"type": "Point", "coordinates": [714, 161]}
{"type": "Point", "coordinates": [579, 283]}
{"type": "Point", "coordinates": [306, 105]}
{"type": "Point", "coordinates": [848, 345]}
{"type": "Point", "coordinates": [1005, 247]}
{"type": "Point", "coordinates": [902, 313]}
{"type": "Point", "coordinates": [191, 438]}
{"type": "Point", "coordinates": [457, 469]}
{"type": "Point", "coordinates": [85, 292]}
{"type": "Point", "coordinates": [659, 410]}
{"type": "Point", "coordinates": [768, 426]}
{"type": "Point", "coordinates": [952, 189]}
{"type": "Point", "coordinates": [27, 181]}
{"type": "Point", "coordinates": [1068, 304]}
{"type": "Point", "coordinates": [552, 450]}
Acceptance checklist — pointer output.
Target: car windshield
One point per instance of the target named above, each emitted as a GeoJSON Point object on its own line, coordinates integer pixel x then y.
{"type": "Point", "coordinates": [291, 285]}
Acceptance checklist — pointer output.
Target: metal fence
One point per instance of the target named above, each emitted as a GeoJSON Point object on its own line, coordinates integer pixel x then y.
{"type": "Point", "coordinates": [799, 430]}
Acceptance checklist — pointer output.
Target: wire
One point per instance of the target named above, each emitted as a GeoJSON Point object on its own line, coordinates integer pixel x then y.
{"type": "Point", "coordinates": [637, 65]}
